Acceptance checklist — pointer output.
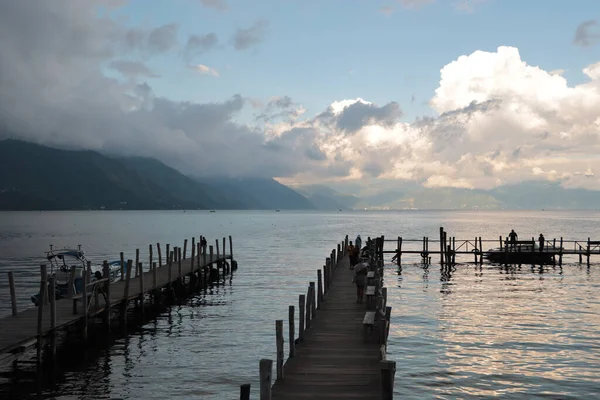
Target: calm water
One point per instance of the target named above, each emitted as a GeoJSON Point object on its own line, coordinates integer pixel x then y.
{"type": "Point", "coordinates": [481, 332]}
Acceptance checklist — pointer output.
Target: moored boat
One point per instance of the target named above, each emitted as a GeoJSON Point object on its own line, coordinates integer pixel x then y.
{"type": "Point", "coordinates": [61, 261]}
{"type": "Point", "coordinates": [519, 253]}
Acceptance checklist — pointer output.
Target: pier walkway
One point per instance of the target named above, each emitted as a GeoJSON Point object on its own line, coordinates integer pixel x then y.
{"type": "Point", "coordinates": [17, 332]}
{"type": "Point", "coordinates": [334, 362]}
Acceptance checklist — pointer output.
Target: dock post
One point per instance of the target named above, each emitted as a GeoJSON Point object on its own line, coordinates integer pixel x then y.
{"type": "Point", "coordinates": [150, 256]}
{"type": "Point", "coordinates": [292, 331]}
{"type": "Point", "coordinates": [279, 343]}
{"type": "Point", "coordinates": [475, 250]}
{"type": "Point", "coordinates": [301, 306]}
{"type": "Point", "coordinates": [142, 291]}
{"type": "Point", "coordinates": [340, 253]}
{"type": "Point", "coordinates": [84, 302]}
{"type": "Point", "coordinates": [319, 289]}
{"type": "Point", "coordinates": [43, 295]}
{"type": "Point", "coordinates": [560, 254]}
{"type": "Point", "coordinates": [224, 252]}
{"type": "Point", "coordinates": [169, 261]}
{"type": "Point", "coordinates": [325, 279]}
{"type": "Point", "coordinates": [308, 307]}
{"type": "Point", "coordinates": [230, 249]}
{"type": "Point", "coordinates": [399, 253]}
{"type": "Point", "coordinates": [587, 253]}
{"type": "Point", "coordinates": [71, 287]}
{"type": "Point", "coordinates": [159, 255]}
{"type": "Point", "coordinates": [265, 371]}
{"type": "Point", "coordinates": [193, 256]}
{"type": "Point", "coordinates": [313, 300]}
{"type": "Point", "coordinates": [154, 276]}
{"type": "Point", "coordinates": [122, 266]}
{"type": "Point", "coordinates": [203, 256]}
{"type": "Point", "coordinates": [106, 275]}
{"type": "Point", "coordinates": [179, 261]}
{"type": "Point", "coordinates": [388, 371]}
{"type": "Point", "coordinates": [346, 242]}
{"type": "Point", "coordinates": [554, 251]}
{"type": "Point", "coordinates": [185, 248]}
{"type": "Point", "coordinates": [13, 295]}
{"type": "Point", "coordinates": [245, 391]}
{"type": "Point", "coordinates": [198, 251]}
{"type": "Point", "coordinates": [125, 299]}
{"type": "Point", "coordinates": [137, 261]}
{"type": "Point", "coordinates": [441, 245]}
{"type": "Point", "coordinates": [481, 251]}
{"type": "Point", "coordinates": [52, 284]}
{"type": "Point", "coordinates": [211, 253]}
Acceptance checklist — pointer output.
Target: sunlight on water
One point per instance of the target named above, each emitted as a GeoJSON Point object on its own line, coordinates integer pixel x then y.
{"type": "Point", "coordinates": [476, 333]}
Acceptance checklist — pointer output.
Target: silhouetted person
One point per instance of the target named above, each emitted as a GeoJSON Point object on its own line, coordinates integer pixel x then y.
{"type": "Point", "coordinates": [513, 238]}
{"type": "Point", "coordinates": [541, 240]}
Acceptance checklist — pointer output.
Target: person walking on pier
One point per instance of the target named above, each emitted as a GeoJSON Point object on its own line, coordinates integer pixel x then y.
{"type": "Point", "coordinates": [360, 279]}
{"type": "Point", "coordinates": [542, 241]}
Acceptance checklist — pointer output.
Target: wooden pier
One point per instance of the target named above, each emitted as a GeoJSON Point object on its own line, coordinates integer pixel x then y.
{"type": "Point", "coordinates": [340, 351]}
{"type": "Point", "coordinates": [177, 277]}
{"type": "Point", "coordinates": [449, 247]}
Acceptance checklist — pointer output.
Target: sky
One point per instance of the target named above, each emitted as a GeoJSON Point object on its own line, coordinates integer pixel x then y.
{"type": "Point", "coordinates": [441, 93]}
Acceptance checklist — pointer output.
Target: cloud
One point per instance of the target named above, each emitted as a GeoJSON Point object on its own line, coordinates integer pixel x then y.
{"type": "Point", "coordinates": [245, 38]}
{"type": "Point", "coordinates": [413, 4]}
{"type": "Point", "coordinates": [220, 5]}
{"type": "Point", "coordinates": [497, 119]}
{"type": "Point", "coordinates": [131, 69]}
{"type": "Point", "coordinates": [199, 44]}
{"type": "Point", "coordinates": [585, 34]}
{"type": "Point", "coordinates": [467, 6]}
{"type": "Point", "coordinates": [205, 70]}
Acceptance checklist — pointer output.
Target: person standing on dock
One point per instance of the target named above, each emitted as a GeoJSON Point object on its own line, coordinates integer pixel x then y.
{"type": "Point", "coordinates": [513, 238]}
{"type": "Point", "coordinates": [360, 279]}
{"type": "Point", "coordinates": [358, 243]}
{"type": "Point", "coordinates": [541, 240]}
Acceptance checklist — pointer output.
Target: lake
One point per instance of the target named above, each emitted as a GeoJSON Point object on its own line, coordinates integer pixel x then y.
{"type": "Point", "coordinates": [479, 333]}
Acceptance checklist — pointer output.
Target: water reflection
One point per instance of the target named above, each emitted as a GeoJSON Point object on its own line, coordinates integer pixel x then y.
{"type": "Point", "coordinates": [505, 331]}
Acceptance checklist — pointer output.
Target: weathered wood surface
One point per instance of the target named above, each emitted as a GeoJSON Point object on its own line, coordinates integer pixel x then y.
{"type": "Point", "coordinates": [333, 361]}
{"type": "Point", "coordinates": [17, 330]}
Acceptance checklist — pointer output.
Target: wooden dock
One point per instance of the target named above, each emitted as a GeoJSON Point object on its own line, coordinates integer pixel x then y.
{"type": "Point", "coordinates": [106, 299]}
{"type": "Point", "coordinates": [449, 247]}
{"type": "Point", "coordinates": [340, 352]}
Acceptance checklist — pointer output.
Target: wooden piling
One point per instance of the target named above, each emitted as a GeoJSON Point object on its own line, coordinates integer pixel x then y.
{"type": "Point", "coordinates": [185, 241]}
{"type": "Point", "coordinates": [137, 261]}
{"type": "Point", "coordinates": [71, 287]}
{"type": "Point", "coordinates": [126, 291]}
{"type": "Point", "coordinates": [230, 248]}
{"type": "Point", "coordinates": [399, 253]}
{"type": "Point", "coordinates": [308, 308]}
{"type": "Point", "coordinates": [313, 300]}
{"type": "Point", "coordinates": [301, 316]}
{"type": "Point", "coordinates": [84, 301]}
{"type": "Point", "coordinates": [279, 343]}
{"type": "Point", "coordinates": [159, 255]}
{"type": "Point", "coordinates": [13, 295]}
{"type": "Point", "coordinates": [388, 371]}
{"type": "Point", "coordinates": [179, 261]}
{"type": "Point", "coordinates": [41, 302]}
{"type": "Point", "coordinates": [441, 245]}
{"type": "Point", "coordinates": [481, 251]}
{"type": "Point", "coordinates": [154, 276]}
{"type": "Point", "coordinates": [265, 371]}
{"type": "Point", "coordinates": [245, 391]}
{"type": "Point", "coordinates": [292, 331]}
{"type": "Point", "coordinates": [52, 284]}
{"type": "Point", "coordinates": [193, 256]}
{"type": "Point", "coordinates": [142, 291]}
{"type": "Point", "coordinates": [319, 289]}
{"type": "Point", "coordinates": [106, 275]}
{"type": "Point", "coordinates": [122, 266]}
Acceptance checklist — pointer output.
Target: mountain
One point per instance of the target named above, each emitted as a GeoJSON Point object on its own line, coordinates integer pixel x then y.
{"type": "Point", "coordinates": [35, 177]}
{"type": "Point", "coordinates": [326, 198]}
{"type": "Point", "coordinates": [259, 193]}
{"type": "Point", "coordinates": [524, 195]}
{"type": "Point", "coordinates": [546, 195]}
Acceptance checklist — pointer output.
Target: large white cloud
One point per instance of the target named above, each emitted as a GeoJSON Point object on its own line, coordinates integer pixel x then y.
{"type": "Point", "coordinates": [499, 119]}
